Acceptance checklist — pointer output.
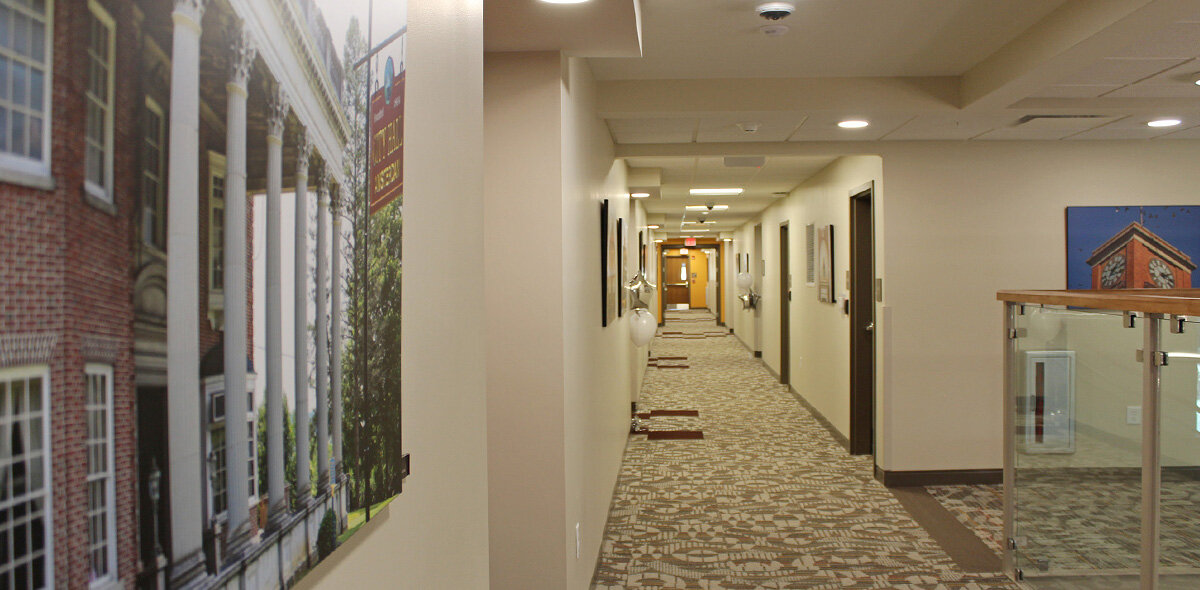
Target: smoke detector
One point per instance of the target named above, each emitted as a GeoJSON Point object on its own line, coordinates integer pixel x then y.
{"type": "Point", "coordinates": [775, 10]}
{"type": "Point", "coordinates": [748, 126]}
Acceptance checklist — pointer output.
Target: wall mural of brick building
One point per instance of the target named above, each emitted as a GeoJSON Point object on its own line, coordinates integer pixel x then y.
{"type": "Point", "coordinates": [133, 137]}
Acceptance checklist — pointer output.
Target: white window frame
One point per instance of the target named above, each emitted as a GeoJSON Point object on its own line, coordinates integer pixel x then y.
{"type": "Point", "coordinates": [213, 386]}
{"type": "Point", "coordinates": [42, 372]}
{"type": "Point", "coordinates": [216, 250]}
{"type": "Point", "coordinates": [17, 169]}
{"type": "Point", "coordinates": [106, 372]}
{"type": "Point", "coordinates": [104, 192]}
{"type": "Point", "coordinates": [156, 171]}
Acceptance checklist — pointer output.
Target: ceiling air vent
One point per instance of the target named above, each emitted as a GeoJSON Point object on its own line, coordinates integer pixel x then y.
{"type": "Point", "coordinates": [1028, 118]}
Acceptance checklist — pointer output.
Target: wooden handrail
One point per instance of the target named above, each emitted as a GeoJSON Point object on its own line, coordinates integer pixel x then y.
{"type": "Point", "coordinates": [1164, 301]}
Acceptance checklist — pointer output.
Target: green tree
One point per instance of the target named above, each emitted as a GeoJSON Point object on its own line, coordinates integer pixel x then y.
{"type": "Point", "coordinates": [371, 416]}
{"type": "Point", "coordinates": [289, 447]}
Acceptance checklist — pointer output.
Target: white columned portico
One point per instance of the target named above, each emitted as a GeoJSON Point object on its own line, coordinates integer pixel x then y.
{"type": "Point", "coordinates": [277, 111]}
{"type": "Point", "coordinates": [322, 333]}
{"type": "Point", "coordinates": [300, 319]}
{"type": "Point", "coordinates": [335, 331]}
{"type": "Point", "coordinates": [184, 401]}
{"type": "Point", "coordinates": [242, 56]}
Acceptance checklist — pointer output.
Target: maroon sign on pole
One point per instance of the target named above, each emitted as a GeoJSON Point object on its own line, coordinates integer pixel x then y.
{"type": "Point", "coordinates": [387, 142]}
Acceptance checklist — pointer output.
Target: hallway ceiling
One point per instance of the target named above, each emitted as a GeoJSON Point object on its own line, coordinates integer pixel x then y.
{"type": "Point", "coordinates": [976, 70]}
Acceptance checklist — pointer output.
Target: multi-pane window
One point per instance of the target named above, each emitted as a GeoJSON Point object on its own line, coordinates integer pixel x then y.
{"type": "Point", "coordinates": [25, 518]}
{"type": "Point", "coordinates": [99, 131]}
{"type": "Point", "coordinates": [153, 167]}
{"type": "Point", "coordinates": [216, 224]}
{"type": "Point", "coordinates": [220, 497]}
{"type": "Point", "coordinates": [251, 457]}
{"type": "Point", "coordinates": [24, 85]}
{"type": "Point", "coordinates": [101, 503]}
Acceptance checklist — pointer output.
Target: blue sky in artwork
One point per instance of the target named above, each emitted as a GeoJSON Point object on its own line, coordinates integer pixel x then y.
{"type": "Point", "coordinates": [1088, 227]}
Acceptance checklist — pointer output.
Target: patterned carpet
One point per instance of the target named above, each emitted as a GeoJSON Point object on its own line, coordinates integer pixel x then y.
{"type": "Point", "coordinates": [766, 500]}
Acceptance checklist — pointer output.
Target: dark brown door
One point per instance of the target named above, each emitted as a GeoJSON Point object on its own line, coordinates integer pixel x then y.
{"type": "Point", "coordinates": [785, 305]}
{"type": "Point", "coordinates": [862, 323]}
{"type": "Point", "coordinates": [675, 280]}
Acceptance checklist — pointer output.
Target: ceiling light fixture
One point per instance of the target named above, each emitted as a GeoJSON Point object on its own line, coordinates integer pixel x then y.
{"type": "Point", "coordinates": [1164, 123]}
{"type": "Point", "coordinates": [653, 226]}
{"type": "Point", "coordinates": [659, 241]}
{"type": "Point", "coordinates": [639, 195]}
{"type": "Point", "coordinates": [725, 192]}
{"type": "Point", "coordinates": [853, 124]}
{"type": "Point", "coordinates": [705, 207]}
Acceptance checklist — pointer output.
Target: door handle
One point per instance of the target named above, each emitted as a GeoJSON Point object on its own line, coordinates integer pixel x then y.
{"type": "Point", "coordinates": [870, 327]}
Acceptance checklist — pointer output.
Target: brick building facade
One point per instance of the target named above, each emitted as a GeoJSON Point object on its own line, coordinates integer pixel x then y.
{"type": "Point", "coordinates": [85, 119]}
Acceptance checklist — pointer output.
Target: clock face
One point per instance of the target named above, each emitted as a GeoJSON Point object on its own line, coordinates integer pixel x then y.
{"type": "Point", "coordinates": [1161, 274]}
{"type": "Point", "coordinates": [1114, 272]}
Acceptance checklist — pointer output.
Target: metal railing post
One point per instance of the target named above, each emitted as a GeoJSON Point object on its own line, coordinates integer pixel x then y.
{"type": "Point", "coordinates": [1151, 452]}
{"type": "Point", "coordinates": [1010, 359]}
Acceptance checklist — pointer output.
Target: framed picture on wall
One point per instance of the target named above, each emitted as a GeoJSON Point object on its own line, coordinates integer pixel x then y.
{"type": "Point", "coordinates": [604, 264]}
{"type": "Point", "coordinates": [621, 260]}
{"type": "Point", "coordinates": [642, 252]}
{"type": "Point", "coordinates": [1132, 247]}
{"type": "Point", "coordinates": [825, 264]}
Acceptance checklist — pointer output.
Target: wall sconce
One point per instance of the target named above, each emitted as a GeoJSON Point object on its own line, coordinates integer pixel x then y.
{"type": "Point", "coordinates": [749, 298]}
{"type": "Point", "coordinates": [642, 324]}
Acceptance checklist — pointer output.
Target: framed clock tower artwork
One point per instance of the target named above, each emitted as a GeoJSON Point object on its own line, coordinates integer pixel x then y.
{"type": "Point", "coordinates": [1132, 247]}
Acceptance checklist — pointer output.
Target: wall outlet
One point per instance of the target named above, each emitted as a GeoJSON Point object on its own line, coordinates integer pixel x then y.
{"type": "Point", "coordinates": [578, 542]}
{"type": "Point", "coordinates": [1133, 414]}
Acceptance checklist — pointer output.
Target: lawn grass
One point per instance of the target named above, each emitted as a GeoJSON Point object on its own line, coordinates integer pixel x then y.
{"type": "Point", "coordinates": [357, 518]}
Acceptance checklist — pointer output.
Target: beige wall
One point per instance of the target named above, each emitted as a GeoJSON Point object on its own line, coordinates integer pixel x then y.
{"type": "Point", "coordinates": [559, 384]}
{"type": "Point", "coordinates": [964, 220]}
{"type": "Point", "coordinates": [956, 222]}
{"type": "Point", "coordinates": [819, 357]}
{"type": "Point", "coordinates": [598, 362]}
{"type": "Point", "coordinates": [525, 341]}
{"type": "Point", "coordinates": [435, 535]}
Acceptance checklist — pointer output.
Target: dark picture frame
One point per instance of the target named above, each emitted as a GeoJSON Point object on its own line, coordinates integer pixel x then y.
{"type": "Point", "coordinates": [604, 263]}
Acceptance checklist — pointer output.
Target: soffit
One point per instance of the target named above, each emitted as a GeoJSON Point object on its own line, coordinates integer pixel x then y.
{"type": "Point", "coordinates": [828, 38]}
{"type": "Point", "coordinates": [608, 28]}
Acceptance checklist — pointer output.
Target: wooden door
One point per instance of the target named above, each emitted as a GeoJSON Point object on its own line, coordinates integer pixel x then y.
{"type": "Point", "coordinates": [698, 275]}
{"type": "Point", "coordinates": [862, 323]}
{"type": "Point", "coordinates": [675, 280]}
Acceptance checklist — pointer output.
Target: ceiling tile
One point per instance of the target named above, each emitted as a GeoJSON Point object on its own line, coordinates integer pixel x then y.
{"type": "Point", "coordinates": [1135, 128]}
{"type": "Point", "coordinates": [771, 127]}
{"type": "Point", "coordinates": [1046, 128]}
{"type": "Point", "coordinates": [656, 130]}
{"type": "Point", "coordinates": [1074, 90]}
{"type": "Point", "coordinates": [1120, 71]}
{"type": "Point", "coordinates": [949, 127]}
{"type": "Point", "coordinates": [1177, 40]}
{"type": "Point", "coordinates": [823, 127]}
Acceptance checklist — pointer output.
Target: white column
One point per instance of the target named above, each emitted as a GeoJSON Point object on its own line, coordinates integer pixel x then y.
{"type": "Point", "coordinates": [300, 319]}
{"type": "Point", "coordinates": [277, 111]}
{"type": "Point", "coordinates": [242, 55]}
{"type": "Point", "coordinates": [184, 401]}
{"type": "Point", "coordinates": [322, 333]}
{"type": "Point", "coordinates": [335, 331]}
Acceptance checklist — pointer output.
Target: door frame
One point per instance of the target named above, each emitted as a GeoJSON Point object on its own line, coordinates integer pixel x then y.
{"type": "Point", "coordinates": [863, 342]}
{"type": "Point", "coordinates": [662, 280]}
{"type": "Point", "coordinates": [785, 305]}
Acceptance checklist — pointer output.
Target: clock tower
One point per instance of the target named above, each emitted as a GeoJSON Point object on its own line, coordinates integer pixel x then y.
{"type": "Point", "coordinates": [1137, 258]}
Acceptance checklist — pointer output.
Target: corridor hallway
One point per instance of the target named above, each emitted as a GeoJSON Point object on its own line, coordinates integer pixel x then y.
{"type": "Point", "coordinates": [767, 499]}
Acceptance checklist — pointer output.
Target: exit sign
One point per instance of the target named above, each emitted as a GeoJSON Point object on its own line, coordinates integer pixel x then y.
{"type": "Point", "coordinates": [689, 241]}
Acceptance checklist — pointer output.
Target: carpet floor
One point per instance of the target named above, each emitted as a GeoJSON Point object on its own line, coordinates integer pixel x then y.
{"type": "Point", "coordinates": [767, 499]}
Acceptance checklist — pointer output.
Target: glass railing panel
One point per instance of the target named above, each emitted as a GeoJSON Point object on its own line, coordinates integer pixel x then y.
{"type": "Point", "coordinates": [1077, 481]}
{"type": "Point", "coordinates": [1179, 431]}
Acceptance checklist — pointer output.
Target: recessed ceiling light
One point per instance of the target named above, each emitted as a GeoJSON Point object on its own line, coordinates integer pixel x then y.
{"type": "Point", "coordinates": [716, 191]}
{"type": "Point", "coordinates": [658, 241]}
{"type": "Point", "coordinates": [705, 207]}
{"type": "Point", "coordinates": [653, 226]}
{"type": "Point", "coordinates": [1164, 123]}
{"type": "Point", "coordinates": [727, 239]}
{"type": "Point", "coordinates": [1196, 80]}
{"type": "Point", "coordinates": [639, 195]}
{"type": "Point", "coordinates": [853, 124]}
{"type": "Point", "coordinates": [696, 230]}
